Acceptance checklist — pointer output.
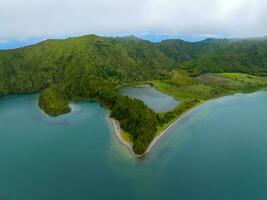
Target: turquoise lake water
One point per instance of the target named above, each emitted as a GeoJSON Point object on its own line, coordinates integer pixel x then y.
{"type": "Point", "coordinates": [217, 152]}
{"type": "Point", "coordinates": [157, 101]}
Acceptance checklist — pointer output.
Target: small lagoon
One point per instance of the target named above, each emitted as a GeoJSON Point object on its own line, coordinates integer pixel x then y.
{"type": "Point", "coordinates": [156, 100]}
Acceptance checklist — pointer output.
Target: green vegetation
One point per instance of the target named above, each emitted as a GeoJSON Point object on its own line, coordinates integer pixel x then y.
{"type": "Point", "coordinates": [52, 103]}
{"type": "Point", "coordinates": [126, 137]}
{"type": "Point", "coordinates": [93, 67]}
{"type": "Point", "coordinates": [136, 119]}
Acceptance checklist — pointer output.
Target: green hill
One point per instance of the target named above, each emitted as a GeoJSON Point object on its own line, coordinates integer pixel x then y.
{"type": "Point", "coordinates": [33, 68]}
{"type": "Point", "coordinates": [247, 56]}
{"type": "Point", "coordinates": [92, 67]}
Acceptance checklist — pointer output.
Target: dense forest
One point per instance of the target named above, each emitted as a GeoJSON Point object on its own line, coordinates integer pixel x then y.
{"type": "Point", "coordinates": [93, 67]}
{"type": "Point", "coordinates": [134, 116]}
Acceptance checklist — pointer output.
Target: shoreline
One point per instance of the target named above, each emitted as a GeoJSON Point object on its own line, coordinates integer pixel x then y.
{"type": "Point", "coordinates": [157, 137]}
{"type": "Point", "coordinates": [175, 120]}
{"type": "Point", "coordinates": [117, 132]}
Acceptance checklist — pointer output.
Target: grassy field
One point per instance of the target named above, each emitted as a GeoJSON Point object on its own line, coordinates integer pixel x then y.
{"type": "Point", "coordinates": [208, 86]}
{"type": "Point", "coordinates": [126, 137]}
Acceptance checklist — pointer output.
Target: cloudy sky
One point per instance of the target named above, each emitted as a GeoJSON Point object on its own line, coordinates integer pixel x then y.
{"type": "Point", "coordinates": [25, 19]}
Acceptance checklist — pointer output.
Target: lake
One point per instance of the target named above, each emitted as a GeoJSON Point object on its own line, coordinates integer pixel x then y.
{"type": "Point", "coordinates": [217, 152]}
{"type": "Point", "coordinates": [156, 100]}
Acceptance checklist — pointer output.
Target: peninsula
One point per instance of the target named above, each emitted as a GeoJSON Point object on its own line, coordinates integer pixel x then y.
{"type": "Point", "coordinates": [93, 67]}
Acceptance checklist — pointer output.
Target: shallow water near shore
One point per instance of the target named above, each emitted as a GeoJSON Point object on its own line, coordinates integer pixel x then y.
{"type": "Point", "coordinates": [217, 152]}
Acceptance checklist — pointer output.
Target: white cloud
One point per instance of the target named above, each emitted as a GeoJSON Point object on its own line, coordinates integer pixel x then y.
{"type": "Point", "coordinates": [22, 19]}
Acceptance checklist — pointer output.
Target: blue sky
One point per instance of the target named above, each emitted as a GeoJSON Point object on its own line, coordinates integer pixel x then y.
{"type": "Point", "coordinates": [12, 44]}
{"type": "Point", "coordinates": [24, 22]}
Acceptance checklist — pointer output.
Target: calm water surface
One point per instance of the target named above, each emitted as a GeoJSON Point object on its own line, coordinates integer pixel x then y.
{"type": "Point", "coordinates": [156, 100]}
{"type": "Point", "coordinates": [218, 152]}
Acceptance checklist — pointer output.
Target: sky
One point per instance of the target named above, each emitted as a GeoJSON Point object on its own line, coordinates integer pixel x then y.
{"type": "Point", "coordinates": [24, 21]}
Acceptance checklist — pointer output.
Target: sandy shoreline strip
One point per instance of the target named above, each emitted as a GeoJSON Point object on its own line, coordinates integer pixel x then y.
{"type": "Point", "coordinates": [117, 131]}
{"type": "Point", "coordinates": [116, 127]}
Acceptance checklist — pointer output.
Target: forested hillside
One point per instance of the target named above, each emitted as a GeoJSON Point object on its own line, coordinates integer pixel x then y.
{"type": "Point", "coordinates": [126, 59]}
{"type": "Point", "coordinates": [247, 56]}
{"type": "Point", "coordinates": [92, 67]}
{"type": "Point", "coordinates": [36, 67]}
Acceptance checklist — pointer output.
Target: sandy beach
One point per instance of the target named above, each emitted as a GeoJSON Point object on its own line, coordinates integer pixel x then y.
{"type": "Point", "coordinates": [117, 131]}
{"type": "Point", "coordinates": [116, 127]}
